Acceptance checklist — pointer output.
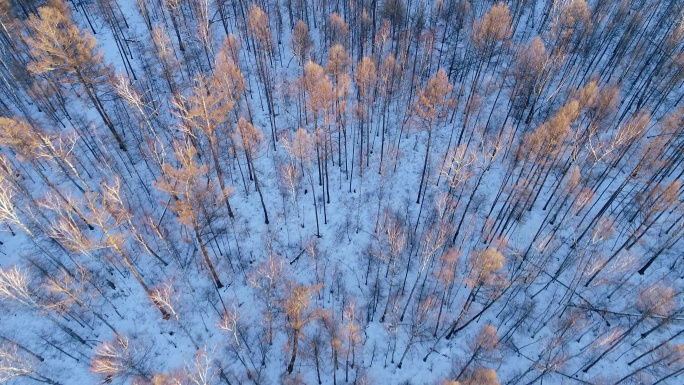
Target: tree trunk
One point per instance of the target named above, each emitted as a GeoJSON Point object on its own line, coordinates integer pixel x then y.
{"type": "Point", "coordinates": [205, 254]}
{"type": "Point", "coordinates": [295, 341]}
{"type": "Point", "coordinates": [100, 109]}
{"type": "Point", "coordinates": [427, 155]}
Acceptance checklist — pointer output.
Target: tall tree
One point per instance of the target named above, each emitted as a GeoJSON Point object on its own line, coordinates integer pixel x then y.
{"type": "Point", "coordinates": [297, 306]}
{"type": "Point", "coordinates": [205, 112]}
{"type": "Point", "coordinates": [301, 45]}
{"type": "Point", "coordinates": [338, 69]}
{"type": "Point", "coordinates": [432, 105]}
{"type": "Point", "coordinates": [250, 139]}
{"type": "Point", "coordinates": [194, 197]}
{"type": "Point", "coordinates": [60, 49]}
{"type": "Point", "coordinates": [121, 359]}
{"type": "Point", "coordinates": [366, 77]}
{"type": "Point", "coordinates": [259, 31]}
{"type": "Point", "coordinates": [320, 102]}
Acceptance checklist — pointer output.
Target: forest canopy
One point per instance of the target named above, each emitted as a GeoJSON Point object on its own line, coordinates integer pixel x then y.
{"type": "Point", "coordinates": [369, 192]}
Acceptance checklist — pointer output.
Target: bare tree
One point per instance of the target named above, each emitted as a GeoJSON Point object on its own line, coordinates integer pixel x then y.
{"type": "Point", "coordinates": [202, 370]}
{"type": "Point", "coordinates": [121, 359]}
{"type": "Point", "coordinates": [301, 148]}
{"type": "Point", "coordinates": [268, 280]}
{"type": "Point", "coordinates": [14, 365]}
{"type": "Point", "coordinates": [9, 212]}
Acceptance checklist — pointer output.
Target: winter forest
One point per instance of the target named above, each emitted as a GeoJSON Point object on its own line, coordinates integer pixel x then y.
{"type": "Point", "coordinates": [408, 192]}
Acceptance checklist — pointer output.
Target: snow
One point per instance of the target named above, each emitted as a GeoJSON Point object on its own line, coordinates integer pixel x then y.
{"type": "Point", "coordinates": [343, 252]}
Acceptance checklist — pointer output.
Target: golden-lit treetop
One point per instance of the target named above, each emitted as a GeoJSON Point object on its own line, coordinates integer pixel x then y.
{"type": "Point", "coordinates": [228, 78]}
{"type": "Point", "coordinates": [317, 86]}
{"type": "Point", "coordinates": [257, 26]}
{"type": "Point", "coordinates": [657, 299]}
{"type": "Point", "coordinates": [301, 42]}
{"type": "Point", "coordinates": [484, 264]}
{"type": "Point", "coordinates": [481, 376]}
{"type": "Point", "coordinates": [338, 61]}
{"type": "Point", "coordinates": [338, 30]}
{"type": "Point", "coordinates": [57, 44]}
{"type": "Point", "coordinates": [494, 28]}
{"type": "Point", "coordinates": [366, 75]}
{"type": "Point", "coordinates": [433, 100]}
{"type": "Point", "coordinates": [251, 137]}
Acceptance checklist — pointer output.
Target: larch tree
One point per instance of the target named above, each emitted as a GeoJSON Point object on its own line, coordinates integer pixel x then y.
{"type": "Point", "coordinates": [484, 345]}
{"type": "Point", "coordinates": [567, 143]}
{"type": "Point", "coordinates": [389, 75]}
{"type": "Point", "coordinates": [301, 149]}
{"type": "Point", "coordinates": [249, 139]}
{"type": "Point", "coordinates": [530, 77]}
{"type": "Point", "coordinates": [300, 312]}
{"type": "Point", "coordinates": [366, 77]}
{"type": "Point", "coordinates": [493, 31]}
{"type": "Point", "coordinates": [227, 73]}
{"type": "Point", "coordinates": [481, 376]}
{"type": "Point", "coordinates": [484, 267]}
{"type": "Point", "coordinates": [338, 69]}
{"type": "Point", "coordinates": [301, 42]}
{"type": "Point", "coordinates": [302, 46]}
{"type": "Point", "coordinates": [260, 33]}
{"type": "Point", "coordinates": [432, 105]}
{"type": "Point", "coordinates": [570, 23]}
{"type": "Point", "coordinates": [336, 30]}
{"type": "Point", "coordinates": [320, 102]}
{"type": "Point", "coordinates": [60, 49]}
{"type": "Point", "coordinates": [446, 277]}
{"type": "Point", "coordinates": [489, 35]}
{"type": "Point", "coordinates": [319, 89]}
{"type": "Point", "coordinates": [194, 197]}
{"type": "Point", "coordinates": [205, 112]}
{"type": "Point", "coordinates": [111, 223]}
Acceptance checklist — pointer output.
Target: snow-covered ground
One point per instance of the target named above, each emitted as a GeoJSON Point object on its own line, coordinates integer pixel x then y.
{"type": "Point", "coordinates": [591, 203]}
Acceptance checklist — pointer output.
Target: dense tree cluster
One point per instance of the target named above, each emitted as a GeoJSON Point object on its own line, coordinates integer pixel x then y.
{"type": "Point", "coordinates": [291, 191]}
